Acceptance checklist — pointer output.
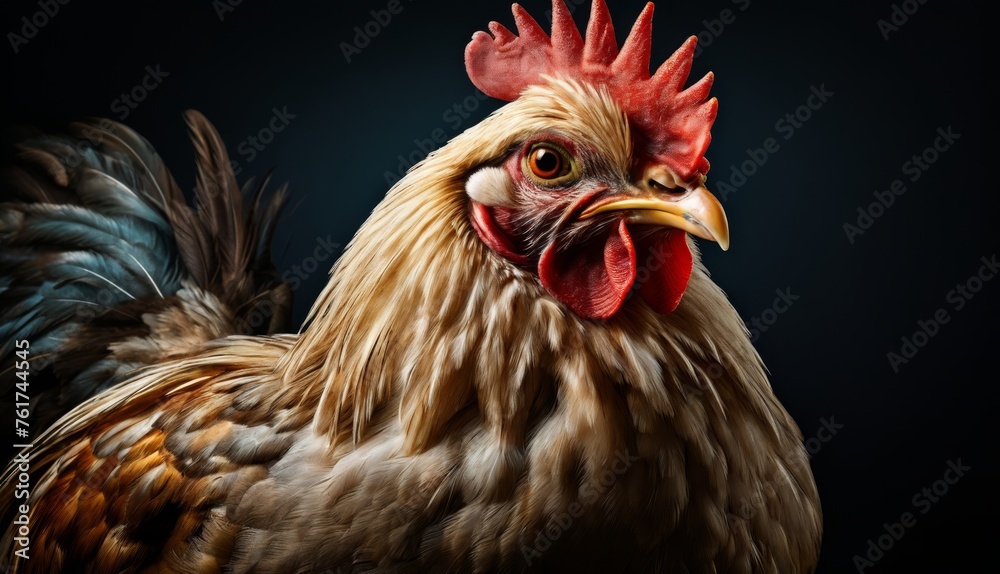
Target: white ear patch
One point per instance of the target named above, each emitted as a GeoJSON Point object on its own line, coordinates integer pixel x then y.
{"type": "Point", "coordinates": [491, 186]}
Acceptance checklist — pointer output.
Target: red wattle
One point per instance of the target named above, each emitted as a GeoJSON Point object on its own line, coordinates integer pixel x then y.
{"type": "Point", "coordinates": [593, 280]}
{"type": "Point", "coordinates": [664, 273]}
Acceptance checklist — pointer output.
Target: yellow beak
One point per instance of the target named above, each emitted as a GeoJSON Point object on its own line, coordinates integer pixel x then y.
{"type": "Point", "coordinates": [697, 212]}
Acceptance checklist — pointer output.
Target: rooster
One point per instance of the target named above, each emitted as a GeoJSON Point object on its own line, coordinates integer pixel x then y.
{"type": "Point", "coordinates": [518, 364]}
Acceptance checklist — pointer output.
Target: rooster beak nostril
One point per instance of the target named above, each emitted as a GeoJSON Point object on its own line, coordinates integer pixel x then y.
{"type": "Point", "coordinates": [658, 178]}
{"type": "Point", "coordinates": [655, 185]}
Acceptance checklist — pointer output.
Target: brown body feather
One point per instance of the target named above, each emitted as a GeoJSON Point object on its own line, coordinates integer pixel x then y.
{"type": "Point", "coordinates": [442, 413]}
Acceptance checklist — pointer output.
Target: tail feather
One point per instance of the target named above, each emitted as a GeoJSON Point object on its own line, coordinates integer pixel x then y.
{"type": "Point", "coordinates": [216, 184]}
{"type": "Point", "coordinates": [105, 267]}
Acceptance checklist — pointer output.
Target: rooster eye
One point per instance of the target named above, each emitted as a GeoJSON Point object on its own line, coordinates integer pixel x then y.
{"type": "Point", "coordinates": [548, 164]}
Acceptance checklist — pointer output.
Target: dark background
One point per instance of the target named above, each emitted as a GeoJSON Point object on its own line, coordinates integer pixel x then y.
{"type": "Point", "coordinates": [827, 353]}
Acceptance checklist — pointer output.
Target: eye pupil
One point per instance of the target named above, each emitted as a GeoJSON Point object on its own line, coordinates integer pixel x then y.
{"type": "Point", "coordinates": [546, 163]}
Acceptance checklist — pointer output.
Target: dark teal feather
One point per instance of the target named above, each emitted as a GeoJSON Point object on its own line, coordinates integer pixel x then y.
{"type": "Point", "coordinates": [92, 237]}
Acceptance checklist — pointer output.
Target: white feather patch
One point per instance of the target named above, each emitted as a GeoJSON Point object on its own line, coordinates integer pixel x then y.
{"type": "Point", "coordinates": [491, 186]}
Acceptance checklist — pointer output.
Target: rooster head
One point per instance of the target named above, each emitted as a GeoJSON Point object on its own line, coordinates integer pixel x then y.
{"type": "Point", "coordinates": [602, 169]}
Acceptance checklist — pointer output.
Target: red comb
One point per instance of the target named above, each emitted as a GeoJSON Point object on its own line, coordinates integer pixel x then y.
{"type": "Point", "coordinates": [674, 122]}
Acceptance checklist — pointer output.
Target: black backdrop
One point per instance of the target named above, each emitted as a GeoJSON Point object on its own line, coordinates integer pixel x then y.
{"type": "Point", "coordinates": [892, 75]}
